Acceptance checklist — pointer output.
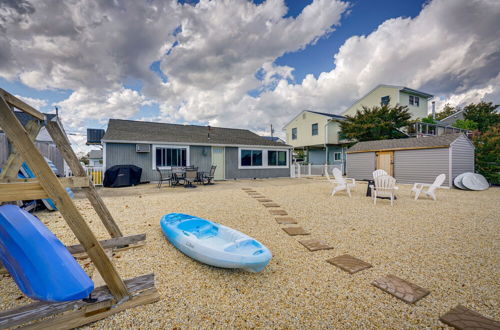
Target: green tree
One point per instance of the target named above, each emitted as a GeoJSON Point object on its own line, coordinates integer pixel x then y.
{"type": "Point", "coordinates": [466, 124]}
{"type": "Point", "coordinates": [487, 151]}
{"type": "Point", "coordinates": [428, 120]}
{"type": "Point", "coordinates": [447, 111]}
{"type": "Point", "coordinates": [483, 113]}
{"type": "Point", "coordinates": [376, 123]}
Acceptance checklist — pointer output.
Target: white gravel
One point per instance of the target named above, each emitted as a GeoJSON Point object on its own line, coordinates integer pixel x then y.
{"type": "Point", "coordinates": [451, 247]}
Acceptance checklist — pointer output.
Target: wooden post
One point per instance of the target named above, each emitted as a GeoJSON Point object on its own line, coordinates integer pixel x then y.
{"type": "Point", "coordinates": [14, 161]}
{"type": "Point", "coordinates": [26, 148]}
{"type": "Point", "coordinates": [64, 147]}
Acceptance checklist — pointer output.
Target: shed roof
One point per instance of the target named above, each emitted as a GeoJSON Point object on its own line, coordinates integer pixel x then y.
{"type": "Point", "coordinates": [409, 143]}
{"type": "Point", "coordinates": [141, 131]}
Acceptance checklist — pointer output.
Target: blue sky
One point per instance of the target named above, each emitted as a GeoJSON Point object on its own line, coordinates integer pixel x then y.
{"type": "Point", "coordinates": [242, 64]}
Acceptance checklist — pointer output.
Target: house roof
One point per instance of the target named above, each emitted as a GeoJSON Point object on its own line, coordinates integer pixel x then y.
{"type": "Point", "coordinates": [330, 115]}
{"type": "Point", "coordinates": [408, 143]}
{"type": "Point", "coordinates": [150, 132]}
{"type": "Point", "coordinates": [95, 154]}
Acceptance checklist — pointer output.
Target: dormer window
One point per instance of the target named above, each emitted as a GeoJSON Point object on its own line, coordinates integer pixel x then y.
{"type": "Point", "coordinates": [414, 100]}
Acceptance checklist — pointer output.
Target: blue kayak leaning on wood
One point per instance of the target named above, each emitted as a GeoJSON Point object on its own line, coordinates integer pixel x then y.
{"type": "Point", "coordinates": [214, 244]}
{"type": "Point", "coordinates": [39, 263]}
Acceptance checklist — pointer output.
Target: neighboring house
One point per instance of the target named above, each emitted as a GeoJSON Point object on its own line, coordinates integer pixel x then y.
{"type": "Point", "coordinates": [416, 101]}
{"type": "Point", "coordinates": [237, 153]}
{"type": "Point", "coordinates": [318, 135]}
{"type": "Point", "coordinates": [274, 138]}
{"type": "Point", "coordinates": [43, 142]}
{"type": "Point", "coordinates": [413, 159]}
{"type": "Point", "coordinates": [95, 158]}
{"type": "Point", "coordinates": [450, 120]}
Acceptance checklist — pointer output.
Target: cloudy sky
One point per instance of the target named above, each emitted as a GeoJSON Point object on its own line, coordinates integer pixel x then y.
{"type": "Point", "coordinates": [238, 63]}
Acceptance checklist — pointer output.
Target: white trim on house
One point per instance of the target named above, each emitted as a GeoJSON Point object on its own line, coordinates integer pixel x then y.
{"type": "Point", "coordinates": [104, 155]}
{"type": "Point", "coordinates": [171, 146]}
{"type": "Point", "coordinates": [264, 159]}
{"type": "Point", "coordinates": [197, 144]}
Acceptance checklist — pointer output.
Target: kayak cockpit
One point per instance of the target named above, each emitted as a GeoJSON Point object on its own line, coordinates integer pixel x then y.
{"type": "Point", "coordinates": [199, 227]}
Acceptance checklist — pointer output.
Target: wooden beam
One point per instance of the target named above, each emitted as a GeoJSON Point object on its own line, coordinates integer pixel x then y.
{"type": "Point", "coordinates": [80, 312]}
{"type": "Point", "coordinates": [113, 244]}
{"type": "Point", "coordinates": [26, 148]}
{"type": "Point", "coordinates": [14, 162]}
{"type": "Point", "coordinates": [15, 102]}
{"type": "Point", "coordinates": [28, 189]}
{"type": "Point", "coordinates": [63, 145]}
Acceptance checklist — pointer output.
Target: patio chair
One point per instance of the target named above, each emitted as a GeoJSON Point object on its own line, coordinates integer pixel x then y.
{"type": "Point", "coordinates": [208, 178]}
{"type": "Point", "coordinates": [378, 173]}
{"type": "Point", "coordinates": [385, 186]}
{"type": "Point", "coordinates": [190, 177]}
{"type": "Point", "coordinates": [163, 178]}
{"type": "Point", "coordinates": [431, 191]}
{"type": "Point", "coordinates": [340, 183]}
{"type": "Point", "coordinates": [178, 174]}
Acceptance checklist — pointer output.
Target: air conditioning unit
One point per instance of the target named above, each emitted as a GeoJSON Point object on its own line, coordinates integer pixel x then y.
{"type": "Point", "coordinates": [142, 148]}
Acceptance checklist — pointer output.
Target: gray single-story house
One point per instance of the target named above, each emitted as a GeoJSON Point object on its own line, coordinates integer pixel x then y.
{"type": "Point", "coordinates": [237, 153]}
{"type": "Point", "coordinates": [413, 159]}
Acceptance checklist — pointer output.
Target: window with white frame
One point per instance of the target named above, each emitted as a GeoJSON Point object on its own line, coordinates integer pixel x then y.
{"type": "Point", "coordinates": [251, 157]}
{"type": "Point", "coordinates": [414, 100]}
{"type": "Point", "coordinates": [262, 158]}
{"type": "Point", "coordinates": [314, 129]}
{"type": "Point", "coordinates": [170, 156]}
{"type": "Point", "coordinates": [337, 156]}
{"type": "Point", "coordinates": [276, 158]}
{"type": "Point", "coordinates": [294, 133]}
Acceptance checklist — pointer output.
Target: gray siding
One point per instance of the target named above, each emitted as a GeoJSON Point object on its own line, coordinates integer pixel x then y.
{"type": "Point", "coordinates": [317, 157]}
{"type": "Point", "coordinates": [232, 171]}
{"type": "Point", "coordinates": [422, 165]}
{"type": "Point", "coordinates": [201, 156]}
{"type": "Point", "coordinates": [124, 154]}
{"type": "Point", "coordinates": [360, 166]}
{"type": "Point", "coordinates": [462, 157]}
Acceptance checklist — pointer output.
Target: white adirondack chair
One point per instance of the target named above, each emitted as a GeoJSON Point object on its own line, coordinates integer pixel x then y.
{"type": "Point", "coordinates": [431, 191]}
{"type": "Point", "coordinates": [378, 173]}
{"type": "Point", "coordinates": [340, 183]}
{"type": "Point", "coordinates": [385, 186]}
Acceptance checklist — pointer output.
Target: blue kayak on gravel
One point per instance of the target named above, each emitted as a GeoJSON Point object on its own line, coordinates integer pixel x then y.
{"type": "Point", "coordinates": [214, 244]}
{"type": "Point", "coordinates": [39, 263]}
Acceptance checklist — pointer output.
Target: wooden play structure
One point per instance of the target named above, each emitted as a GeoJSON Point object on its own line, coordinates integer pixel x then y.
{"type": "Point", "coordinates": [117, 295]}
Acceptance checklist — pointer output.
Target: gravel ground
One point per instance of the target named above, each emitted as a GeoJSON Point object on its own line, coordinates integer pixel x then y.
{"type": "Point", "coordinates": [451, 247]}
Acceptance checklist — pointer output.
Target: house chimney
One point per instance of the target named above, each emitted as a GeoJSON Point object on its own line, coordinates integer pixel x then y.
{"type": "Point", "coordinates": [57, 112]}
{"type": "Point", "coordinates": [433, 109]}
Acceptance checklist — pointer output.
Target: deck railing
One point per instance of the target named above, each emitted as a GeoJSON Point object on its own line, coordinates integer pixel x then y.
{"type": "Point", "coordinates": [300, 170]}
{"type": "Point", "coordinates": [96, 174]}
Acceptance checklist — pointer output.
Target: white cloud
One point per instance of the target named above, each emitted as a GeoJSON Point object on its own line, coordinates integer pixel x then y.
{"type": "Point", "coordinates": [223, 51]}
{"type": "Point", "coordinates": [34, 102]}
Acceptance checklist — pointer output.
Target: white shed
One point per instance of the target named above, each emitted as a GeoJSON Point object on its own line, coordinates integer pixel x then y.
{"type": "Point", "coordinates": [413, 159]}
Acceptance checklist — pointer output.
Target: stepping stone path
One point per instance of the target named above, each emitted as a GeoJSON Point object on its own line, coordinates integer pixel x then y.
{"type": "Point", "coordinates": [349, 263]}
{"type": "Point", "coordinates": [278, 212]}
{"type": "Point", "coordinates": [461, 317]}
{"type": "Point", "coordinates": [271, 205]}
{"type": "Point", "coordinates": [401, 289]}
{"type": "Point", "coordinates": [263, 200]}
{"type": "Point", "coordinates": [285, 220]}
{"type": "Point", "coordinates": [294, 231]}
{"type": "Point", "coordinates": [315, 245]}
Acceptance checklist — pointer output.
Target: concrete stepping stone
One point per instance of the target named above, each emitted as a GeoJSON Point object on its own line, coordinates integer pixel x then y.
{"type": "Point", "coordinates": [315, 245]}
{"type": "Point", "coordinates": [253, 192]}
{"type": "Point", "coordinates": [349, 263]}
{"type": "Point", "coordinates": [264, 200]}
{"type": "Point", "coordinates": [271, 205]}
{"type": "Point", "coordinates": [278, 212]}
{"type": "Point", "coordinates": [401, 289]}
{"type": "Point", "coordinates": [461, 317]}
{"type": "Point", "coordinates": [294, 231]}
{"type": "Point", "coordinates": [246, 188]}
{"type": "Point", "coordinates": [257, 196]}
{"type": "Point", "coordinates": [285, 220]}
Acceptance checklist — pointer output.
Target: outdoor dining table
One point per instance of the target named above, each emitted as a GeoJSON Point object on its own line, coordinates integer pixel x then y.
{"type": "Point", "coordinates": [178, 175]}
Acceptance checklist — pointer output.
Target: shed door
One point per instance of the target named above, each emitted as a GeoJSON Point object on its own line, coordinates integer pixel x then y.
{"type": "Point", "coordinates": [385, 161]}
{"type": "Point", "coordinates": [218, 160]}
